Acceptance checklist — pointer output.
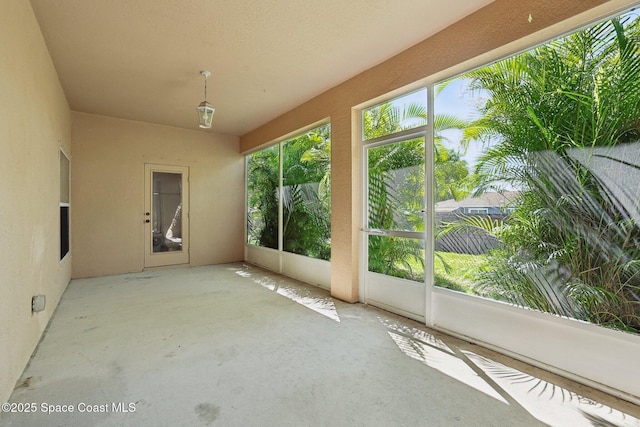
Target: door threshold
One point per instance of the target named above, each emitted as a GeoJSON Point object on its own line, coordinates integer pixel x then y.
{"type": "Point", "coordinates": [166, 267]}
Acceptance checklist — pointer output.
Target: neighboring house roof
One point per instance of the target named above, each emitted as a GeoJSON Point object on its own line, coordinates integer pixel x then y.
{"type": "Point", "coordinates": [486, 200]}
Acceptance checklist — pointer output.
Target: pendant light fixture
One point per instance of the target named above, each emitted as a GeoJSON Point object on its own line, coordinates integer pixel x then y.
{"type": "Point", "coordinates": [205, 110]}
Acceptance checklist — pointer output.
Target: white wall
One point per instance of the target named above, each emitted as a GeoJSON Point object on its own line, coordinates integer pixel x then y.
{"type": "Point", "coordinates": [594, 355]}
{"type": "Point", "coordinates": [309, 270]}
{"type": "Point", "coordinates": [34, 123]}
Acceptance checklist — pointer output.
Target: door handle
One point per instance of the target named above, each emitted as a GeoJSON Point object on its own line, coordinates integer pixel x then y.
{"type": "Point", "coordinates": [376, 231]}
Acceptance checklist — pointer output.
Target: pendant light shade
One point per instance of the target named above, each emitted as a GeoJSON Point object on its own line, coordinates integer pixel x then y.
{"type": "Point", "coordinates": [205, 110]}
{"type": "Point", "coordinates": [205, 114]}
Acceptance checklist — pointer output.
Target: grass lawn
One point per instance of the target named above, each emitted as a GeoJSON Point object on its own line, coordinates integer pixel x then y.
{"type": "Point", "coordinates": [459, 271]}
{"type": "Point", "coordinates": [458, 274]}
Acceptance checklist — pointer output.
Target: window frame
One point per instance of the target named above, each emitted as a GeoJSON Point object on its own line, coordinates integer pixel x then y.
{"type": "Point", "coordinates": [280, 143]}
{"type": "Point", "coordinates": [64, 204]}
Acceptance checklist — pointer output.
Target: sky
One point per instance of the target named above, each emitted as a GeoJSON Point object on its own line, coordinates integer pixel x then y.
{"type": "Point", "coordinates": [457, 100]}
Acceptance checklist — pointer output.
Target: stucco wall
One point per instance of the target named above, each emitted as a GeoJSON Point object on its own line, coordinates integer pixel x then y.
{"type": "Point", "coordinates": [108, 192]}
{"type": "Point", "coordinates": [34, 123]}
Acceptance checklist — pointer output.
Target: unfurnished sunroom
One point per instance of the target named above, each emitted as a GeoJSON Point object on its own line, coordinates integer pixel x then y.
{"type": "Point", "coordinates": [341, 133]}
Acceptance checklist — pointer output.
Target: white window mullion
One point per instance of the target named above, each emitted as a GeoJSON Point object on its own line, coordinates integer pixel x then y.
{"type": "Point", "coordinates": [280, 206]}
{"type": "Point", "coordinates": [429, 240]}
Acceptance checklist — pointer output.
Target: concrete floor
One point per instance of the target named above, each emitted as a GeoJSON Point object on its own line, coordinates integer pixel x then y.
{"type": "Point", "coordinates": [235, 345]}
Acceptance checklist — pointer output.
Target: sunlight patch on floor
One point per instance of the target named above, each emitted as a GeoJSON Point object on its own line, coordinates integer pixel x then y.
{"type": "Point", "coordinates": [322, 305]}
{"type": "Point", "coordinates": [434, 353]}
{"type": "Point", "coordinates": [545, 401]}
{"type": "Point", "coordinates": [417, 334]}
{"type": "Point", "coordinates": [303, 296]}
{"type": "Point", "coordinates": [551, 403]}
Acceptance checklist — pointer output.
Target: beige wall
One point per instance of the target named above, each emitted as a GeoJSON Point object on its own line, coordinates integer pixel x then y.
{"type": "Point", "coordinates": [108, 192]}
{"type": "Point", "coordinates": [496, 30]}
{"type": "Point", "coordinates": [34, 122]}
{"type": "Point", "coordinates": [109, 156]}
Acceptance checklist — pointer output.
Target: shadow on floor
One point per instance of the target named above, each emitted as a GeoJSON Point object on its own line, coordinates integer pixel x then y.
{"type": "Point", "coordinates": [236, 345]}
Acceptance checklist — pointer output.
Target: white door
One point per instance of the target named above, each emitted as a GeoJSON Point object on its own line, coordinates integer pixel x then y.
{"type": "Point", "coordinates": [166, 215]}
{"type": "Point", "coordinates": [394, 225]}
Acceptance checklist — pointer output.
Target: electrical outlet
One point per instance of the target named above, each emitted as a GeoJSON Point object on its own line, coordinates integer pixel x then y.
{"type": "Point", "coordinates": [38, 303]}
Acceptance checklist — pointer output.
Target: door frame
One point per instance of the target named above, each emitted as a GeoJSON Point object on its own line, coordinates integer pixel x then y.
{"type": "Point", "coordinates": [401, 296]}
{"type": "Point", "coordinates": [159, 259]}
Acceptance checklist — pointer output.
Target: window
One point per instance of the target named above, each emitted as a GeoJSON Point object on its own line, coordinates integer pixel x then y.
{"type": "Point", "coordinates": [403, 113]}
{"type": "Point", "coordinates": [306, 194]}
{"type": "Point", "coordinates": [64, 204]}
{"type": "Point", "coordinates": [550, 137]}
{"type": "Point", "coordinates": [262, 197]}
{"type": "Point", "coordinates": [477, 211]}
{"type": "Point", "coordinates": [304, 190]}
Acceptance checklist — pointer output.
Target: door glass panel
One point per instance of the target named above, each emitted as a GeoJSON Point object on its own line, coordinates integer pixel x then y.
{"type": "Point", "coordinates": [396, 185]}
{"type": "Point", "coordinates": [397, 256]}
{"type": "Point", "coordinates": [167, 212]}
{"type": "Point", "coordinates": [395, 195]}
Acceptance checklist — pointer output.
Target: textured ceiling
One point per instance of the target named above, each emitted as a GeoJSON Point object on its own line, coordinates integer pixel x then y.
{"type": "Point", "coordinates": [141, 59]}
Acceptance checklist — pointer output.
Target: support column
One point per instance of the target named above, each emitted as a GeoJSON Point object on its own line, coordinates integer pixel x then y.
{"type": "Point", "coordinates": [345, 208]}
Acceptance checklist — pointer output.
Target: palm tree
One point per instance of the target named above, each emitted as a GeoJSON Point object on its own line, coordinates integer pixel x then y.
{"type": "Point", "coordinates": [569, 248]}
{"type": "Point", "coordinates": [262, 195]}
{"type": "Point", "coordinates": [405, 161]}
{"type": "Point", "coordinates": [306, 194]}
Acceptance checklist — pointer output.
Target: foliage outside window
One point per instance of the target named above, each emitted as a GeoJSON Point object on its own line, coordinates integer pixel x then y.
{"type": "Point", "coordinates": [553, 156]}
{"type": "Point", "coordinates": [262, 197]}
{"type": "Point", "coordinates": [306, 195]}
{"type": "Point", "coordinates": [396, 180]}
{"type": "Point", "coordinates": [405, 112]}
{"type": "Point", "coordinates": [395, 200]}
